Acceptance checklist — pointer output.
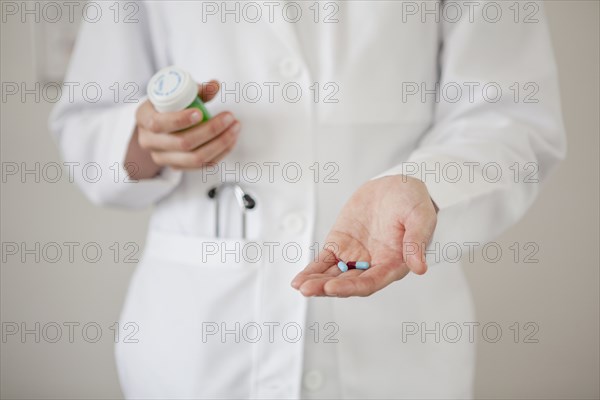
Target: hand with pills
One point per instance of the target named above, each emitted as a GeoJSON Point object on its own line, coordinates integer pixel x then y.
{"type": "Point", "coordinates": [364, 250]}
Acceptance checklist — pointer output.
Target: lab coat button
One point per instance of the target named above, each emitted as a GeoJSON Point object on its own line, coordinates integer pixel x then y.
{"type": "Point", "coordinates": [289, 68]}
{"type": "Point", "coordinates": [313, 380]}
{"type": "Point", "coordinates": [293, 223]}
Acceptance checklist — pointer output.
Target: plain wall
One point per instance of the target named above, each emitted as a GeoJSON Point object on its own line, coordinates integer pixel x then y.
{"type": "Point", "coordinates": [560, 293]}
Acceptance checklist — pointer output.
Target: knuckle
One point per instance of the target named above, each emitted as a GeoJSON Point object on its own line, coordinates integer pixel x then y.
{"type": "Point", "coordinates": [198, 160]}
{"type": "Point", "coordinates": [231, 145]}
{"type": "Point", "coordinates": [216, 127]}
{"type": "Point", "coordinates": [153, 123]}
{"type": "Point", "coordinates": [225, 142]}
{"type": "Point", "coordinates": [185, 143]}
{"type": "Point", "coordinates": [157, 159]}
{"type": "Point", "coordinates": [227, 139]}
{"type": "Point", "coordinates": [181, 121]}
{"type": "Point", "coordinates": [142, 139]}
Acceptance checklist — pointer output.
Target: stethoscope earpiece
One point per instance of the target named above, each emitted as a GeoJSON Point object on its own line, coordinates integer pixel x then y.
{"type": "Point", "coordinates": [212, 192]}
{"type": "Point", "coordinates": [249, 202]}
{"type": "Point", "coordinates": [245, 201]}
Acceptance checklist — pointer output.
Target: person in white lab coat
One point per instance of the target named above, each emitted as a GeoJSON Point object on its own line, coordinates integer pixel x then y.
{"type": "Point", "coordinates": [217, 325]}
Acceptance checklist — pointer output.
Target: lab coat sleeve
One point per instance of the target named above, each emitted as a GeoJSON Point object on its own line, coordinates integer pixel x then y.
{"type": "Point", "coordinates": [472, 140]}
{"type": "Point", "coordinates": [94, 121]}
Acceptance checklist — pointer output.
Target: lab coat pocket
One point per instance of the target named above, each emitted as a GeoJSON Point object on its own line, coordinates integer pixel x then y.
{"type": "Point", "coordinates": [191, 310]}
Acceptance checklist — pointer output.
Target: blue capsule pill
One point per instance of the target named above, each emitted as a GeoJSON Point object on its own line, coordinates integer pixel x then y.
{"type": "Point", "coordinates": [342, 266]}
{"type": "Point", "coordinates": [362, 265]}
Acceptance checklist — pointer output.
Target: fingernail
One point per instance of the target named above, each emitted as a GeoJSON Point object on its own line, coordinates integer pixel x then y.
{"type": "Point", "coordinates": [228, 119]}
{"type": "Point", "coordinates": [196, 117]}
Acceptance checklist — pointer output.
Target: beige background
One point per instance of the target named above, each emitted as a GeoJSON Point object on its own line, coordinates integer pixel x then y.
{"type": "Point", "coordinates": [560, 293]}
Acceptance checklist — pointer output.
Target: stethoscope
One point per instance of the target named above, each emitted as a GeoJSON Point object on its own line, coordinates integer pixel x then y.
{"type": "Point", "coordinates": [244, 200]}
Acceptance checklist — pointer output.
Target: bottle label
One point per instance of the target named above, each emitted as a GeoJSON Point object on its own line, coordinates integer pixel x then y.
{"type": "Point", "coordinates": [167, 83]}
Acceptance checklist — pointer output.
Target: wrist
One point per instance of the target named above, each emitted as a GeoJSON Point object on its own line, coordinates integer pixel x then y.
{"type": "Point", "coordinates": [138, 161]}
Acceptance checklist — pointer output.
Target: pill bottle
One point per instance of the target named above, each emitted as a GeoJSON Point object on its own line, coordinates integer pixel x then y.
{"type": "Point", "coordinates": [173, 89]}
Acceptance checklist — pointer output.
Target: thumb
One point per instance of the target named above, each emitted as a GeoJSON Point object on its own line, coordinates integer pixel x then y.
{"type": "Point", "coordinates": [419, 228]}
{"type": "Point", "coordinates": [207, 91]}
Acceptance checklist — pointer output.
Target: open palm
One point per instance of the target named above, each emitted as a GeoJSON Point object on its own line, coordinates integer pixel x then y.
{"type": "Point", "coordinates": [387, 222]}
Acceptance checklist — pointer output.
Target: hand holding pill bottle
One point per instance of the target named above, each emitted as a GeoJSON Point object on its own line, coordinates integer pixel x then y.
{"type": "Point", "coordinates": [175, 129]}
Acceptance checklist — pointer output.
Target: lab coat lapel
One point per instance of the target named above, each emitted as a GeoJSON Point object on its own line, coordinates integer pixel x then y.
{"type": "Point", "coordinates": [285, 32]}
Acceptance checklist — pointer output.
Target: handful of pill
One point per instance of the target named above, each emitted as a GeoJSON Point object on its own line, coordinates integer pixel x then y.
{"type": "Point", "coordinates": [352, 265]}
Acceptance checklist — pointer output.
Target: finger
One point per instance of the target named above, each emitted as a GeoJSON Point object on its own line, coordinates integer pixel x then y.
{"type": "Point", "coordinates": [207, 91]}
{"type": "Point", "coordinates": [419, 226]}
{"type": "Point", "coordinates": [220, 156]}
{"type": "Point", "coordinates": [302, 278]}
{"type": "Point", "coordinates": [324, 261]}
{"type": "Point", "coordinates": [148, 118]}
{"type": "Point", "coordinates": [315, 286]}
{"type": "Point", "coordinates": [367, 283]}
{"type": "Point", "coordinates": [216, 160]}
{"type": "Point", "coordinates": [190, 139]}
{"type": "Point", "coordinates": [203, 155]}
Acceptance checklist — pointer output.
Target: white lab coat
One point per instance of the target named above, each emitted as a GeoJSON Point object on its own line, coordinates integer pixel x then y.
{"type": "Point", "coordinates": [369, 53]}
